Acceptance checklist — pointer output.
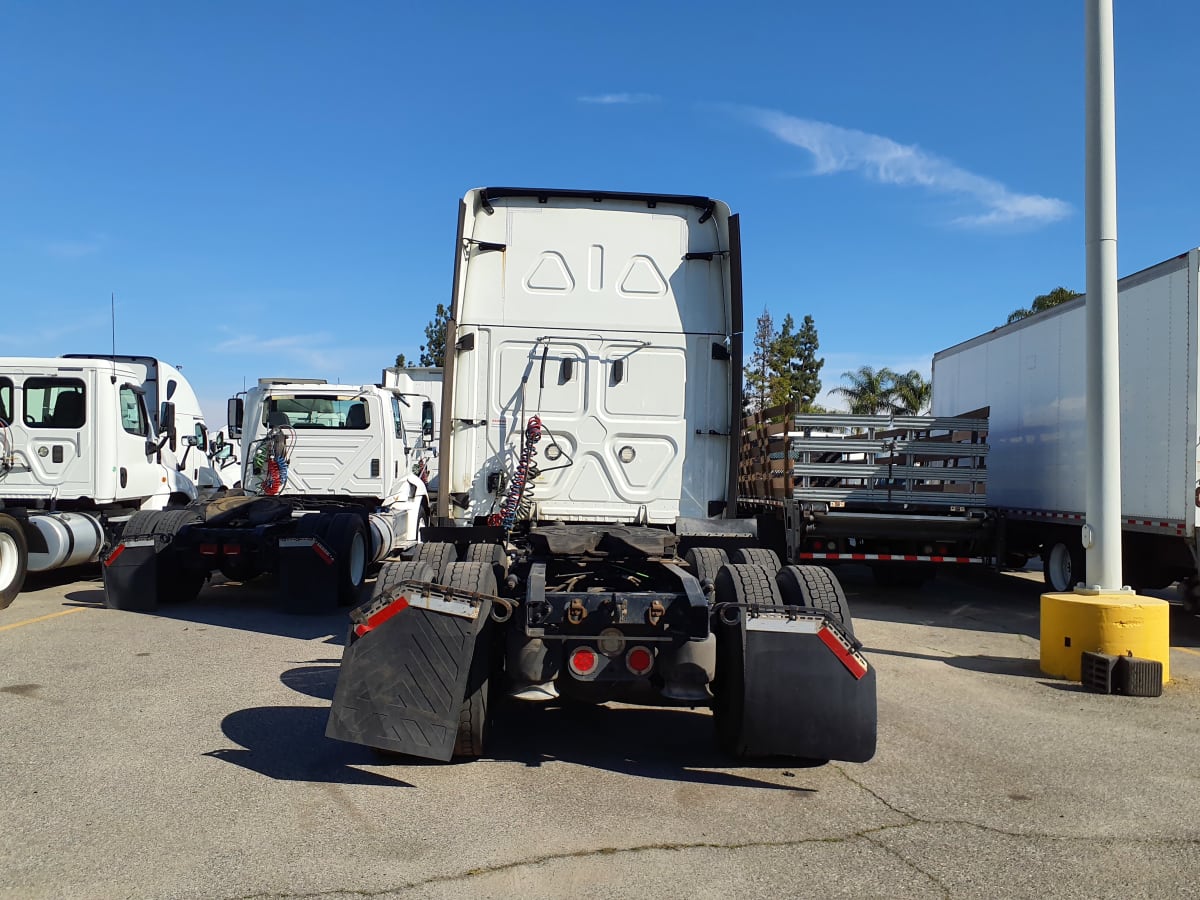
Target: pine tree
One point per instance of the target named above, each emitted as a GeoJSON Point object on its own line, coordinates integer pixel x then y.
{"type": "Point", "coordinates": [758, 373]}
{"type": "Point", "coordinates": [433, 351]}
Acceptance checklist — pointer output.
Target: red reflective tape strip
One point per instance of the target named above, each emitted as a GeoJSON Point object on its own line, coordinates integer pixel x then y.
{"type": "Point", "coordinates": [398, 605]}
{"type": "Point", "coordinates": [848, 659]}
{"type": "Point", "coordinates": [112, 557]}
{"type": "Point", "coordinates": [323, 553]}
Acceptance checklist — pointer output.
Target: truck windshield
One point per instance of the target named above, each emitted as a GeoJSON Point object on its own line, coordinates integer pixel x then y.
{"type": "Point", "coordinates": [6, 400]}
{"type": "Point", "coordinates": [312, 411]}
{"type": "Point", "coordinates": [54, 403]}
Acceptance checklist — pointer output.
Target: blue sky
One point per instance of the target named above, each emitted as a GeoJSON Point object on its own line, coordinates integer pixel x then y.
{"type": "Point", "coordinates": [271, 188]}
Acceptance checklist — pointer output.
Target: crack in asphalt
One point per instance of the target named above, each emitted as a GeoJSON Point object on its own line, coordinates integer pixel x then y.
{"type": "Point", "coordinates": [870, 835]}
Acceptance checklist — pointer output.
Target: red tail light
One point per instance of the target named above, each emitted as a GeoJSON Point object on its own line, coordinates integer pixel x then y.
{"type": "Point", "coordinates": [583, 661]}
{"type": "Point", "coordinates": [232, 549]}
{"type": "Point", "coordinates": [639, 660]}
{"type": "Point", "coordinates": [208, 549]}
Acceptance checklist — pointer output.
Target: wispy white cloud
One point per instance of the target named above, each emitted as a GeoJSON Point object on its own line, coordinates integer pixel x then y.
{"type": "Point", "coordinates": [313, 351]}
{"type": "Point", "coordinates": [73, 249]}
{"type": "Point", "coordinates": [835, 149]}
{"type": "Point", "coordinates": [621, 98]}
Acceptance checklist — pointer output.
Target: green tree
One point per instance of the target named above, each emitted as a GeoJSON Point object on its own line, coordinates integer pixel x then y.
{"type": "Point", "coordinates": [758, 372]}
{"type": "Point", "coordinates": [870, 391]}
{"type": "Point", "coordinates": [433, 351]}
{"type": "Point", "coordinates": [911, 393]}
{"type": "Point", "coordinates": [808, 366]}
{"type": "Point", "coordinates": [1043, 302]}
{"type": "Point", "coordinates": [401, 362]}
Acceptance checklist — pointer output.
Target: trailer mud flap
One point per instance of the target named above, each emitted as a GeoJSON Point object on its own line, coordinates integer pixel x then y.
{"type": "Point", "coordinates": [404, 674]}
{"type": "Point", "coordinates": [793, 686]}
{"type": "Point", "coordinates": [131, 576]}
{"type": "Point", "coordinates": [307, 576]}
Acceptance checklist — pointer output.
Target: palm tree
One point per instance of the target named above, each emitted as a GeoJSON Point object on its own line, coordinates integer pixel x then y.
{"type": "Point", "coordinates": [911, 394]}
{"type": "Point", "coordinates": [870, 392]}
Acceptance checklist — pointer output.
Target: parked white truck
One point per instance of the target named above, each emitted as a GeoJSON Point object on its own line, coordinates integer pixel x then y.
{"type": "Point", "coordinates": [85, 442]}
{"type": "Point", "coordinates": [585, 545]}
{"type": "Point", "coordinates": [1031, 376]}
{"type": "Point", "coordinates": [327, 490]}
{"type": "Point", "coordinates": [420, 390]}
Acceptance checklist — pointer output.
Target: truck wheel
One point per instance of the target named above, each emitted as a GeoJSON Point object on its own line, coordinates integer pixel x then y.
{"type": "Point", "coordinates": [705, 562]}
{"type": "Point", "coordinates": [755, 556]}
{"type": "Point", "coordinates": [174, 582]}
{"type": "Point", "coordinates": [1063, 566]}
{"type": "Point", "coordinates": [438, 555]}
{"type": "Point", "coordinates": [472, 717]}
{"type": "Point", "coordinates": [815, 587]}
{"type": "Point", "coordinates": [492, 554]}
{"type": "Point", "coordinates": [1189, 594]}
{"type": "Point", "coordinates": [393, 574]}
{"type": "Point", "coordinates": [740, 584]}
{"type": "Point", "coordinates": [347, 537]}
{"type": "Point", "coordinates": [14, 559]}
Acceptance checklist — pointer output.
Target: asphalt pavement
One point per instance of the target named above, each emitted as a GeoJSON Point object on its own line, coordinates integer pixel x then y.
{"type": "Point", "coordinates": [182, 754]}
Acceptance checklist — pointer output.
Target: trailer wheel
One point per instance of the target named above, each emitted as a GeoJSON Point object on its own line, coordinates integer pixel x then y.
{"type": "Point", "coordinates": [472, 717]}
{"type": "Point", "coordinates": [14, 559]}
{"type": "Point", "coordinates": [705, 562]}
{"type": "Point", "coordinates": [1063, 566]}
{"type": "Point", "coordinates": [347, 537]}
{"type": "Point", "coordinates": [755, 556]}
{"type": "Point", "coordinates": [1189, 594]}
{"type": "Point", "coordinates": [743, 585]}
{"type": "Point", "coordinates": [815, 587]}
{"type": "Point", "coordinates": [438, 555]}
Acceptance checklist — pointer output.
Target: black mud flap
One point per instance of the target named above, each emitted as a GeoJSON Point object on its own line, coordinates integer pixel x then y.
{"type": "Point", "coordinates": [793, 686]}
{"type": "Point", "coordinates": [307, 576]}
{"type": "Point", "coordinates": [131, 576]}
{"type": "Point", "coordinates": [404, 674]}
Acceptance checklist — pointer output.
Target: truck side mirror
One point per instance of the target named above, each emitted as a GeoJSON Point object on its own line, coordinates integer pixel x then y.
{"type": "Point", "coordinates": [234, 410]}
{"type": "Point", "coordinates": [166, 418]}
{"type": "Point", "coordinates": [427, 418]}
{"type": "Point", "coordinates": [224, 452]}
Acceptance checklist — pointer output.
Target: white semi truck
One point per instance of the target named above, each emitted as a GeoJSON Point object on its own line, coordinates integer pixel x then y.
{"type": "Point", "coordinates": [327, 491]}
{"type": "Point", "coordinates": [1031, 376]}
{"type": "Point", "coordinates": [421, 388]}
{"type": "Point", "coordinates": [586, 546]}
{"type": "Point", "coordinates": [85, 442]}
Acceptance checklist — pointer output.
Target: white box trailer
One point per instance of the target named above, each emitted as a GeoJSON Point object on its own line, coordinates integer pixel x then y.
{"type": "Point", "coordinates": [1031, 374]}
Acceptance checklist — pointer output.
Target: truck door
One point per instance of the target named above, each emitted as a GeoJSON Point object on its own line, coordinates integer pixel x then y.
{"type": "Point", "coordinates": [56, 430]}
{"type": "Point", "coordinates": [138, 472]}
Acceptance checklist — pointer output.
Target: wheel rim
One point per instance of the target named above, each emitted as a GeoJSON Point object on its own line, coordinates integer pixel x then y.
{"type": "Point", "coordinates": [8, 561]}
{"type": "Point", "coordinates": [1061, 574]}
{"type": "Point", "coordinates": [358, 558]}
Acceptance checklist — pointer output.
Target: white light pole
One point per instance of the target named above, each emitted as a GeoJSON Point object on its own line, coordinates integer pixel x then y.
{"type": "Point", "coordinates": [1102, 533]}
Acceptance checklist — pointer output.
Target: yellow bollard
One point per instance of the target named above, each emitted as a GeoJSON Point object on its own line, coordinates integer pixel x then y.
{"type": "Point", "coordinates": [1120, 624]}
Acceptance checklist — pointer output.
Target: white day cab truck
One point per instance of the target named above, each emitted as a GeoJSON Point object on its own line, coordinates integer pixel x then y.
{"type": "Point", "coordinates": [586, 546]}
{"type": "Point", "coordinates": [85, 443]}
{"type": "Point", "coordinates": [327, 491]}
{"type": "Point", "coordinates": [1031, 374]}
{"type": "Point", "coordinates": [421, 386]}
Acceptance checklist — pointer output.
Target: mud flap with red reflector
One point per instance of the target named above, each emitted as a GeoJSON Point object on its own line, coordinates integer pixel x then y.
{"type": "Point", "coordinates": [404, 674]}
{"type": "Point", "coordinates": [131, 576]}
{"type": "Point", "coordinates": [793, 686]}
{"type": "Point", "coordinates": [307, 576]}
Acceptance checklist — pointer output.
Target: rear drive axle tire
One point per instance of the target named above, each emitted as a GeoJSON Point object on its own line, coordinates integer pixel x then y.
{"type": "Point", "coordinates": [755, 556]}
{"type": "Point", "coordinates": [815, 587]}
{"type": "Point", "coordinates": [438, 556]}
{"type": "Point", "coordinates": [473, 715]}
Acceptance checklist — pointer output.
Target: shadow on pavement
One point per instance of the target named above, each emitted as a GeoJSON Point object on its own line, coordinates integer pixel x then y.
{"type": "Point", "coordinates": [648, 742]}
{"type": "Point", "coordinates": [288, 743]}
{"type": "Point", "coordinates": [992, 665]}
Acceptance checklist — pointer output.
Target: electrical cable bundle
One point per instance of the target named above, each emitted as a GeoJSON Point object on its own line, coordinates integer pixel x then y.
{"type": "Point", "coordinates": [272, 456]}
{"type": "Point", "coordinates": [520, 492]}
